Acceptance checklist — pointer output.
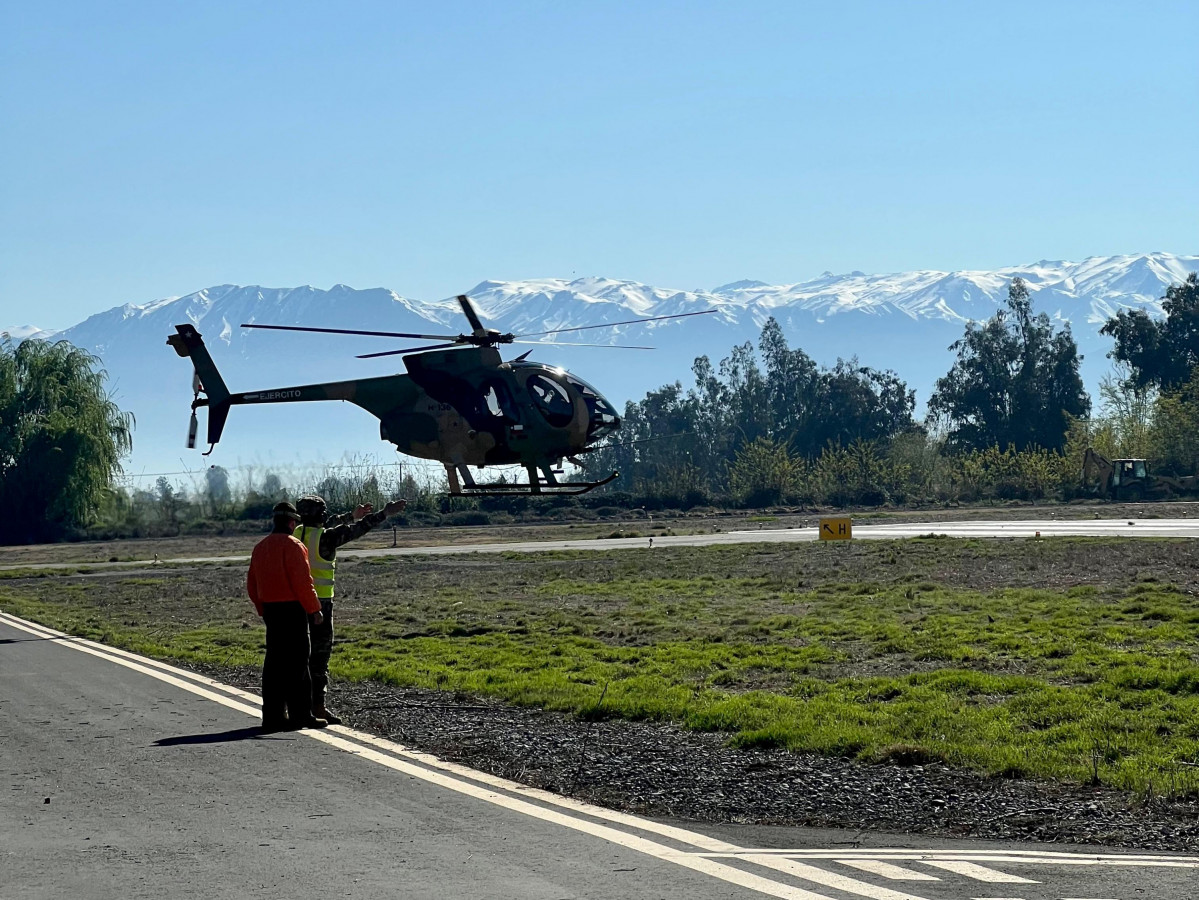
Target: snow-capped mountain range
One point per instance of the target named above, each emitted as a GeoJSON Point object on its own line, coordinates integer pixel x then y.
{"type": "Point", "coordinates": [903, 321]}
{"type": "Point", "coordinates": [23, 332]}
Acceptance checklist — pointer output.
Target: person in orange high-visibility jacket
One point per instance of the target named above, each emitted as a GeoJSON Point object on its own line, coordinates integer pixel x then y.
{"type": "Point", "coordinates": [280, 586]}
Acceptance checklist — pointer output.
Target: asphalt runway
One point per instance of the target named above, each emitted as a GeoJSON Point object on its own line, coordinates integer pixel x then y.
{"type": "Point", "coordinates": [1031, 528]}
{"type": "Point", "coordinates": [128, 778]}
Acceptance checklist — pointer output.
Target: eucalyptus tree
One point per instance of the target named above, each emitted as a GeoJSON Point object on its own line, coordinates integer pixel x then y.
{"type": "Point", "coordinates": [811, 407]}
{"type": "Point", "coordinates": [1161, 353]}
{"type": "Point", "coordinates": [857, 403]}
{"type": "Point", "coordinates": [747, 394]}
{"type": "Point", "coordinates": [218, 492]}
{"type": "Point", "coordinates": [794, 384]}
{"type": "Point", "coordinates": [1015, 381]}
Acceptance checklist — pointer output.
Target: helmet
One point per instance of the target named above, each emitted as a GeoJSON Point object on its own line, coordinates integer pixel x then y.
{"type": "Point", "coordinates": [285, 509]}
{"type": "Point", "coordinates": [311, 508]}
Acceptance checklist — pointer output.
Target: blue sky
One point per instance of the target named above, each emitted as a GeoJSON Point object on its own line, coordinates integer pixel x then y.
{"type": "Point", "coordinates": [152, 149]}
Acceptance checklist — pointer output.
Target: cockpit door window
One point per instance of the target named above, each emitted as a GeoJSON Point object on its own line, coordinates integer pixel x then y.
{"type": "Point", "coordinates": [499, 402]}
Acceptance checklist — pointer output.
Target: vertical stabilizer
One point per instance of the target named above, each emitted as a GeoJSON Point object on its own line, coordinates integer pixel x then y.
{"type": "Point", "coordinates": [188, 342]}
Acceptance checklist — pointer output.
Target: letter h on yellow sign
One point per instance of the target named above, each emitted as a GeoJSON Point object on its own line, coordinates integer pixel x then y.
{"type": "Point", "coordinates": [839, 529]}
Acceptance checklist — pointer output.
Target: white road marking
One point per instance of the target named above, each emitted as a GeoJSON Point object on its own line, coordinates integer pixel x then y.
{"type": "Point", "coordinates": [989, 856]}
{"type": "Point", "coordinates": [254, 705]}
{"type": "Point", "coordinates": [811, 873]}
{"type": "Point", "coordinates": [977, 872]}
{"type": "Point", "coordinates": [650, 848]}
{"type": "Point", "coordinates": [708, 850]}
{"type": "Point", "coordinates": [621, 838]}
{"type": "Point", "coordinates": [1006, 857]}
{"type": "Point", "coordinates": [887, 870]}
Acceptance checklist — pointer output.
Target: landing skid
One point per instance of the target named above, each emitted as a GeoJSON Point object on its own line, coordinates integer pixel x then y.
{"type": "Point", "coordinates": [538, 486]}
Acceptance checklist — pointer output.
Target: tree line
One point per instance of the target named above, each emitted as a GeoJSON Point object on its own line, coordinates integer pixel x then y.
{"type": "Point", "coordinates": [214, 503]}
{"type": "Point", "coordinates": [1010, 419]}
{"type": "Point", "coordinates": [767, 425]}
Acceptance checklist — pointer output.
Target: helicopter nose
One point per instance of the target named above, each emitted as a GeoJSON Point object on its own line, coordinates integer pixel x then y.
{"type": "Point", "coordinates": [603, 423]}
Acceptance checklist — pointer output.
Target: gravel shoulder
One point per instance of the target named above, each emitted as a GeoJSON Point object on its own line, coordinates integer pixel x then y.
{"type": "Point", "coordinates": [663, 771]}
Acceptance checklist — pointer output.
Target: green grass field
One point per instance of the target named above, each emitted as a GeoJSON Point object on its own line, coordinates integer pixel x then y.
{"type": "Point", "coordinates": [1074, 659]}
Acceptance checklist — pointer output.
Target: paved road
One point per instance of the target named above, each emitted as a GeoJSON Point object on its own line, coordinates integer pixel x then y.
{"type": "Point", "coordinates": [1159, 528]}
{"type": "Point", "coordinates": [1181, 528]}
{"type": "Point", "coordinates": [128, 778]}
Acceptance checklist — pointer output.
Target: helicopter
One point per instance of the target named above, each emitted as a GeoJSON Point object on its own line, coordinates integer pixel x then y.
{"type": "Point", "coordinates": [459, 404]}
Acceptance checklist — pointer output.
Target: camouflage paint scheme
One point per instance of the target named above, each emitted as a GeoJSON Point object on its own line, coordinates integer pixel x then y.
{"type": "Point", "coordinates": [461, 407]}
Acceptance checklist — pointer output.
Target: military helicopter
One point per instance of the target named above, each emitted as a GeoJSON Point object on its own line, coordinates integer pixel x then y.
{"type": "Point", "coordinates": [460, 404]}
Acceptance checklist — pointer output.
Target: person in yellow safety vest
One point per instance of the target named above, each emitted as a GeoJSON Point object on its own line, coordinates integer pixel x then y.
{"type": "Point", "coordinates": [322, 535]}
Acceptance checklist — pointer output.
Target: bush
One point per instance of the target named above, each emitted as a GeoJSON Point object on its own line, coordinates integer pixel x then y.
{"type": "Point", "coordinates": [204, 527]}
{"type": "Point", "coordinates": [607, 497]}
{"type": "Point", "coordinates": [995, 474]}
{"type": "Point", "coordinates": [257, 507]}
{"type": "Point", "coordinates": [467, 517]}
{"type": "Point", "coordinates": [419, 519]}
{"type": "Point", "coordinates": [858, 475]}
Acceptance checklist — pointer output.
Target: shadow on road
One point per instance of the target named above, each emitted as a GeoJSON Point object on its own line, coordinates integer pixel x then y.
{"type": "Point", "coordinates": [25, 640]}
{"type": "Point", "coordinates": [219, 737]}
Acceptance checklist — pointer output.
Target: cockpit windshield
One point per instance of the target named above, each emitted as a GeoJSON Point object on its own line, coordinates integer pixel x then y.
{"type": "Point", "coordinates": [602, 417]}
{"type": "Point", "coordinates": [552, 400]}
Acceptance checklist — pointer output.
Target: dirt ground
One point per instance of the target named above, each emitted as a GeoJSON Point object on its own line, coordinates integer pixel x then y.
{"type": "Point", "coordinates": [640, 523]}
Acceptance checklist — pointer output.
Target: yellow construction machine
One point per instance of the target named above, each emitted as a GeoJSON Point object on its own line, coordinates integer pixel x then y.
{"type": "Point", "coordinates": [1130, 479]}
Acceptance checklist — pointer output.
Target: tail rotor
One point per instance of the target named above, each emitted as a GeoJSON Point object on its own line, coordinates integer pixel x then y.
{"type": "Point", "coordinates": [194, 425]}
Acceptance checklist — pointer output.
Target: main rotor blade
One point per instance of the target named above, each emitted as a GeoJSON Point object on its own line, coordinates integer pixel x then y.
{"type": "Point", "coordinates": [471, 316]}
{"type": "Point", "coordinates": [569, 344]}
{"type": "Point", "coordinates": [407, 350]}
{"type": "Point", "coordinates": [614, 324]}
{"type": "Point", "coordinates": [397, 334]}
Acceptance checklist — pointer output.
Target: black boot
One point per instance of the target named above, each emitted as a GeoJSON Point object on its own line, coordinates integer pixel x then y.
{"type": "Point", "coordinates": [322, 713]}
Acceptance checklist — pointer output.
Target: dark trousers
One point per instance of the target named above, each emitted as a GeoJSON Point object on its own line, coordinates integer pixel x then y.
{"type": "Point", "coordinates": [285, 680]}
{"type": "Point", "coordinates": [322, 649]}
